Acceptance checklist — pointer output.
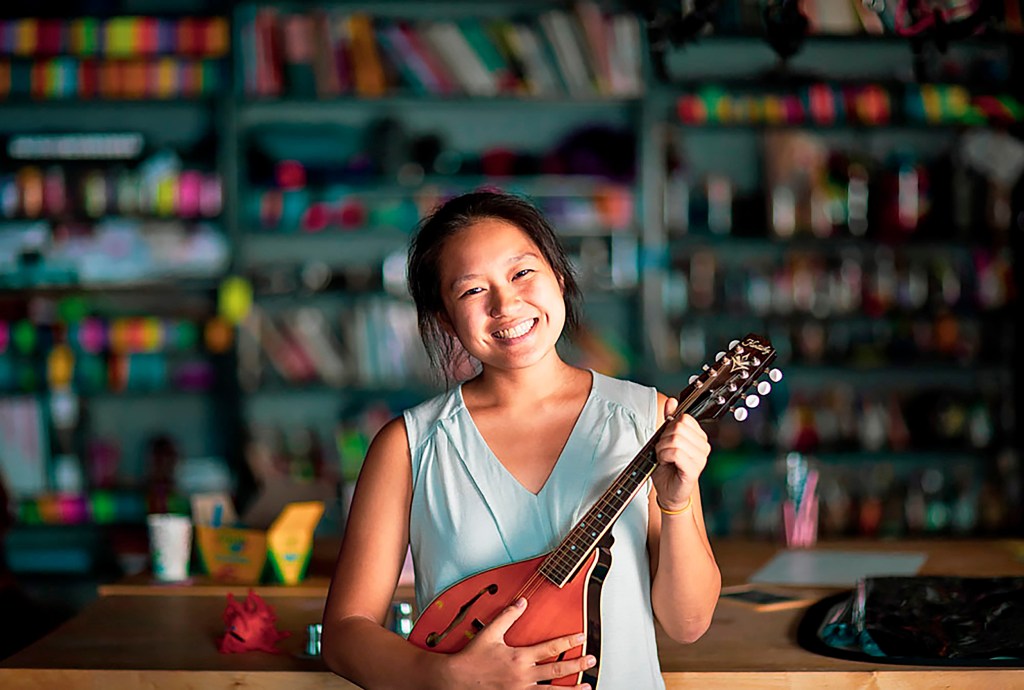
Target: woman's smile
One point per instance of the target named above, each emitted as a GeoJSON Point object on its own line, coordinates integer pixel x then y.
{"type": "Point", "coordinates": [517, 331]}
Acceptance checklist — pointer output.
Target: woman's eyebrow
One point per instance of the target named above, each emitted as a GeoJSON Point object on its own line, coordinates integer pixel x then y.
{"type": "Point", "coordinates": [473, 276]}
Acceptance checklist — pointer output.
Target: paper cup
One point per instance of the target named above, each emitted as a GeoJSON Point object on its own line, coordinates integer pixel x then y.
{"type": "Point", "coordinates": [170, 546]}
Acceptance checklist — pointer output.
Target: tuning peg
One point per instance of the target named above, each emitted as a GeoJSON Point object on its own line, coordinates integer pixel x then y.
{"type": "Point", "coordinates": [719, 356]}
{"type": "Point", "coordinates": [764, 388]}
{"type": "Point", "coordinates": [740, 413]}
{"type": "Point", "coordinates": [752, 401]}
{"type": "Point", "coordinates": [705, 367]}
{"type": "Point", "coordinates": [733, 344]}
{"type": "Point", "coordinates": [775, 375]}
{"type": "Point", "coordinates": [693, 378]}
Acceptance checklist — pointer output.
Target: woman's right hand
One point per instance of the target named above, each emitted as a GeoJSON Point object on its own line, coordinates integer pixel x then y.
{"type": "Point", "coordinates": [487, 662]}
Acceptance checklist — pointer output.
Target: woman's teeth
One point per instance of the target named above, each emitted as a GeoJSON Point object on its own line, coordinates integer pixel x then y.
{"type": "Point", "coordinates": [516, 331]}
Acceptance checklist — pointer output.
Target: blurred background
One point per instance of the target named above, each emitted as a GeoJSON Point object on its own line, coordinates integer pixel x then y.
{"type": "Point", "coordinates": [205, 207]}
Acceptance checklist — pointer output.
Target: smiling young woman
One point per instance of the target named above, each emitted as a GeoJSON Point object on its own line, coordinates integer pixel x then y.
{"type": "Point", "coordinates": [502, 300]}
{"type": "Point", "coordinates": [498, 468]}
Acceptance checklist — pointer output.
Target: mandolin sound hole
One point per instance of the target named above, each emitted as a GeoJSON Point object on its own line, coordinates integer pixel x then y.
{"type": "Point", "coordinates": [435, 638]}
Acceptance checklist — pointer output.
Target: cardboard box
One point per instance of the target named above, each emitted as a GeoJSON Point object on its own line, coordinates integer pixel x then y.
{"type": "Point", "coordinates": [242, 555]}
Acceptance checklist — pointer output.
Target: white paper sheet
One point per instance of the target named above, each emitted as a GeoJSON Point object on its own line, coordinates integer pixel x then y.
{"type": "Point", "coordinates": [828, 568]}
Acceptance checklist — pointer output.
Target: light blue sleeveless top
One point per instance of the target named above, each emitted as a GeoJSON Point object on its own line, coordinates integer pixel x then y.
{"type": "Point", "coordinates": [470, 514]}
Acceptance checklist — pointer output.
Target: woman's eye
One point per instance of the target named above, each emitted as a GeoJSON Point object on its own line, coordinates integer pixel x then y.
{"type": "Point", "coordinates": [520, 274]}
{"type": "Point", "coordinates": [470, 292]}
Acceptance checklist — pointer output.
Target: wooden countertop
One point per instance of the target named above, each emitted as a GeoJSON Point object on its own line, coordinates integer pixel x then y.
{"type": "Point", "coordinates": [169, 641]}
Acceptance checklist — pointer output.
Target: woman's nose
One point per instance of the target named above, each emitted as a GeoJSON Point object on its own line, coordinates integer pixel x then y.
{"type": "Point", "coordinates": [503, 301]}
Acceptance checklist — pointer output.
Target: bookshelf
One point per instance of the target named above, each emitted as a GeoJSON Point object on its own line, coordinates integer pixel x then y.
{"type": "Point", "coordinates": [314, 170]}
{"type": "Point", "coordinates": [342, 151]}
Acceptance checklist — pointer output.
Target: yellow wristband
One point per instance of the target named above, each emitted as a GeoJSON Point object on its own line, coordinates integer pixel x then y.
{"type": "Point", "coordinates": [689, 502]}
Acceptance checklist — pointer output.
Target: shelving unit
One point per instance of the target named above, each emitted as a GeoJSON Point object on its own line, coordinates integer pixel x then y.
{"type": "Point", "coordinates": [330, 184]}
{"type": "Point", "coordinates": [896, 337]}
{"type": "Point", "coordinates": [321, 185]}
{"type": "Point", "coordinates": [112, 248]}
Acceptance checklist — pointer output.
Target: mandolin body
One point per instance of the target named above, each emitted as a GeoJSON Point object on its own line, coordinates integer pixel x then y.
{"type": "Point", "coordinates": [454, 618]}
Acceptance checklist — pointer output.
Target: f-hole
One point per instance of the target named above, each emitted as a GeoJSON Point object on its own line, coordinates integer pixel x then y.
{"type": "Point", "coordinates": [435, 638]}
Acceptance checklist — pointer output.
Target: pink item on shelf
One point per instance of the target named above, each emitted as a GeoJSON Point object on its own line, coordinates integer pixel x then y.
{"type": "Point", "coordinates": [189, 188]}
{"type": "Point", "coordinates": [92, 335]}
{"type": "Point", "coordinates": [72, 509]}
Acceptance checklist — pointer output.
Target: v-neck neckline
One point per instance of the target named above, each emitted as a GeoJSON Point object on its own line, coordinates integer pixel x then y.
{"type": "Point", "coordinates": [499, 467]}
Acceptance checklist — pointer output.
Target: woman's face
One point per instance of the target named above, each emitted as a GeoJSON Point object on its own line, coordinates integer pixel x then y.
{"type": "Point", "coordinates": [503, 300]}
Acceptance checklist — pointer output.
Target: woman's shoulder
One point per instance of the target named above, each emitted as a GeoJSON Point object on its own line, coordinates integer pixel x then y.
{"type": "Point", "coordinates": [420, 419]}
{"type": "Point", "coordinates": [638, 398]}
{"type": "Point", "coordinates": [612, 386]}
{"type": "Point", "coordinates": [434, 407]}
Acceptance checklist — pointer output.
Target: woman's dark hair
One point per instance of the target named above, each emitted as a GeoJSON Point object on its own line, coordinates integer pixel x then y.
{"type": "Point", "coordinates": [447, 220]}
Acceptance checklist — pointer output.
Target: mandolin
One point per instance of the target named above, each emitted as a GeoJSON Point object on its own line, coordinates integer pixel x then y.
{"type": "Point", "coordinates": [563, 586]}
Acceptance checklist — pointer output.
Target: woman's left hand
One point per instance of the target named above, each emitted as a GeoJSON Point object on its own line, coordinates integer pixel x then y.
{"type": "Point", "coordinates": [682, 451]}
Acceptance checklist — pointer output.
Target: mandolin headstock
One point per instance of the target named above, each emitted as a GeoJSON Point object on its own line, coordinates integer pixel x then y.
{"type": "Point", "coordinates": [742, 372]}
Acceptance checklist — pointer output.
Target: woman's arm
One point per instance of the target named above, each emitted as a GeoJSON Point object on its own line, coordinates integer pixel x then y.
{"type": "Point", "coordinates": [686, 580]}
{"type": "Point", "coordinates": [354, 643]}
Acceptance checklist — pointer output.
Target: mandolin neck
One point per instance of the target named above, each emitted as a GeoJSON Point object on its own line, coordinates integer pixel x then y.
{"type": "Point", "coordinates": [562, 564]}
{"type": "Point", "coordinates": [569, 556]}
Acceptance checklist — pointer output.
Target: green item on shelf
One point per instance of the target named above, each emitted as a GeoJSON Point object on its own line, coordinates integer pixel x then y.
{"type": "Point", "coordinates": [23, 335]}
{"type": "Point", "coordinates": [28, 512]}
{"type": "Point", "coordinates": [185, 336]}
{"type": "Point", "coordinates": [352, 448]}
{"type": "Point", "coordinates": [103, 507]}
{"type": "Point", "coordinates": [72, 309]}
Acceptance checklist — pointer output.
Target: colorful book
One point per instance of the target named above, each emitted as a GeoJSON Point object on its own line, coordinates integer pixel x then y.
{"type": "Point", "coordinates": [367, 68]}
{"type": "Point", "coordinates": [560, 28]}
{"type": "Point", "coordinates": [297, 42]}
{"type": "Point", "coordinates": [324, 65]}
{"type": "Point", "coordinates": [491, 58]}
{"type": "Point", "coordinates": [595, 42]}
